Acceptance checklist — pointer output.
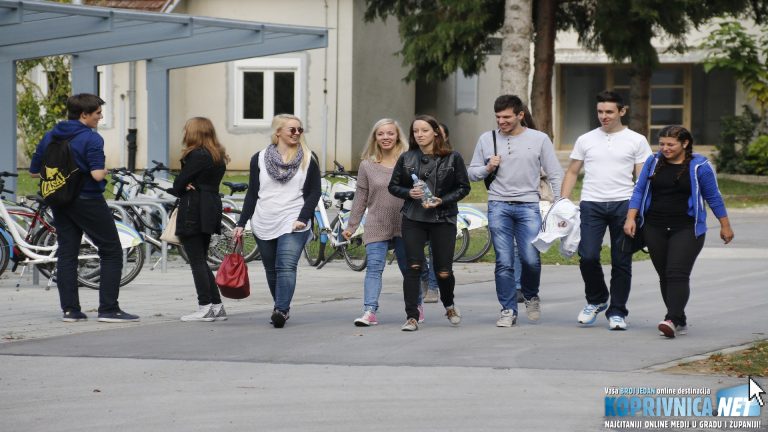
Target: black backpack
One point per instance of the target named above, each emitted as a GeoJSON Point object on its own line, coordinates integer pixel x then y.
{"type": "Point", "coordinates": [60, 177]}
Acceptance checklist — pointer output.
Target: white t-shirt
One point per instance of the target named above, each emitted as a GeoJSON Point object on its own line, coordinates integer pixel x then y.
{"type": "Point", "coordinates": [279, 204]}
{"type": "Point", "coordinates": [609, 163]}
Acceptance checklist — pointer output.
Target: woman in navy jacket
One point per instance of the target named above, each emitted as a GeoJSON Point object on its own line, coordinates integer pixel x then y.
{"type": "Point", "coordinates": [668, 202]}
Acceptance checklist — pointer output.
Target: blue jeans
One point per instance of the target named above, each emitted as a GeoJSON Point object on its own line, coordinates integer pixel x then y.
{"type": "Point", "coordinates": [515, 224]}
{"type": "Point", "coordinates": [376, 253]}
{"type": "Point", "coordinates": [428, 272]}
{"type": "Point", "coordinates": [280, 257]}
{"type": "Point", "coordinates": [595, 218]}
{"type": "Point", "coordinates": [94, 218]}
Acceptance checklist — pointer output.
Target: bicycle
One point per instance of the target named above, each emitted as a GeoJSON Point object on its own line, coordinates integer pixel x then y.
{"type": "Point", "coordinates": [30, 246]}
{"type": "Point", "coordinates": [325, 233]}
{"type": "Point", "coordinates": [478, 233]}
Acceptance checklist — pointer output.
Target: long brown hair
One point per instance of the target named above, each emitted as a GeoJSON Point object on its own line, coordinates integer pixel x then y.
{"type": "Point", "coordinates": [200, 133]}
{"type": "Point", "coordinates": [439, 145]}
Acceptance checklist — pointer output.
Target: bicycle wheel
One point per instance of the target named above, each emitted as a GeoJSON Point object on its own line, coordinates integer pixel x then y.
{"type": "Point", "coordinates": [250, 247]}
{"type": "Point", "coordinates": [462, 243]}
{"type": "Point", "coordinates": [89, 271]}
{"type": "Point", "coordinates": [354, 250]}
{"type": "Point", "coordinates": [5, 253]}
{"type": "Point", "coordinates": [479, 244]}
{"type": "Point", "coordinates": [44, 237]}
{"type": "Point", "coordinates": [314, 250]}
{"type": "Point", "coordinates": [221, 244]}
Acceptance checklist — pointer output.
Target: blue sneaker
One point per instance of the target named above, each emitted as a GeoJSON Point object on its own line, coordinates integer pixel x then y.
{"type": "Point", "coordinates": [117, 317]}
{"type": "Point", "coordinates": [589, 314]}
{"type": "Point", "coordinates": [74, 316]}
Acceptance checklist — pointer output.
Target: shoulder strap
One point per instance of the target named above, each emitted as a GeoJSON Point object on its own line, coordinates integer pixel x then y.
{"type": "Point", "coordinates": [493, 132]}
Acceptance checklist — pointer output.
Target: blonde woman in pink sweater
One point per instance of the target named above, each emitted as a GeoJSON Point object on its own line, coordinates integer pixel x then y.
{"type": "Point", "coordinates": [382, 224]}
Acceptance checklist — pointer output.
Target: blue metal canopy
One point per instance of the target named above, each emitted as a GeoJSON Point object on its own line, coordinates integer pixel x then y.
{"type": "Point", "coordinates": [97, 36]}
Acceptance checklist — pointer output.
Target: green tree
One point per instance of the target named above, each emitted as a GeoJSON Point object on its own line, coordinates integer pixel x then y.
{"type": "Point", "coordinates": [38, 109]}
{"type": "Point", "coordinates": [731, 47]}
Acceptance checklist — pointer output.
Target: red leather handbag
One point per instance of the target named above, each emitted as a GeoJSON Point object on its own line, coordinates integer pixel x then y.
{"type": "Point", "coordinates": [232, 277]}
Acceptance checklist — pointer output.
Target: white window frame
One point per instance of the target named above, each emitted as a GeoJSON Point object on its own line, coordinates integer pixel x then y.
{"type": "Point", "coordinates": [105, 93]}
{"type": "Point", "coordinates": [268, 65]}
{"type": "Point", "coordinates": [467, 89]}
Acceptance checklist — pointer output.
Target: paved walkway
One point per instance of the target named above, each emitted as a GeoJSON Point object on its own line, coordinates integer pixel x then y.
{"type": "Point", "coordinates": [321, 373]}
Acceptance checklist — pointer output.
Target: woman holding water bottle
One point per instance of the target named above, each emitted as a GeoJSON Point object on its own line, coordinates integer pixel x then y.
{"type": "Point", "coordinates": [431, 179]}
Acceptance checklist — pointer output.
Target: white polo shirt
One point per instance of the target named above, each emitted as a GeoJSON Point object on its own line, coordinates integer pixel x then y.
{"type": "Point", "coordinates": [609, 163]}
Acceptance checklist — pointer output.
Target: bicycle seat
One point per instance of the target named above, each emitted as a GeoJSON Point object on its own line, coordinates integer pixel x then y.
{"type": "Point", "coordinates": [37, 198]}
{"type": "Point", "coordinates": [236, 187]}
{"type": "Point", "coordinates": [344, 196]}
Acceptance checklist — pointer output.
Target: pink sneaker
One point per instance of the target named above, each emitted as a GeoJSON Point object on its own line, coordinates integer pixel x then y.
{"type": "Point", "coordinates": [368, 319]}
{"type": "Point", "coordinates": [667, 328]}
{"type": "Point", "coordinates": [421, 314]}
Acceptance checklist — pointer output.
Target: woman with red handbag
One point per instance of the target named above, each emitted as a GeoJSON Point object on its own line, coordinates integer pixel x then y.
{"type": "Point", "coordinates": [203, 163]}
{"type": "Point", "coordinates": [283, 191]}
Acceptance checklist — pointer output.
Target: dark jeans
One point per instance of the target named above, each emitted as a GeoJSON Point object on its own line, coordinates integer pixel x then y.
{"type": "Point", "coordinates": [92, 217]}
{"type": "Point", "coordinates": [673, 253]}
{"type": "Point", "coordinates": [595, 218]}
{"type": "Point", "coordinates": [196, 247]}
{"type": "Point", "coordinates": [442, 237]}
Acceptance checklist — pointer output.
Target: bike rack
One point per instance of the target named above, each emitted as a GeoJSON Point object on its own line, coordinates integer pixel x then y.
{"type": "Point", "coordinates": [155, 203]}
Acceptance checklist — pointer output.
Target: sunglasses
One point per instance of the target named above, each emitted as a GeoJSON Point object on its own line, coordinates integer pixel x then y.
{"type": "Point", "coordinates": [296, 130]}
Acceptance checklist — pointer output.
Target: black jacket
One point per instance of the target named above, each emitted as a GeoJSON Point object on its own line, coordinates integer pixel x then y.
{"type": "Point", "coordinates": [451, 184]}
{"type": "Point", "coordinates": [199, 210]}
{"type": "Point", "coordinates": [310, 191]}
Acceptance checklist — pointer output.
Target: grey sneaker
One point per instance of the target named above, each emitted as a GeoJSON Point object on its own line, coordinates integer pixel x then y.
{"type": "Point", "coordinates": [681, 329]}
{"type": "Point", "coordinates": [219, 314]}
{"type": "Point", "coordinates": [507, 318]}
{"type": "Point", "coordinates": [410, 325]}
{"type": "Point", "coordinates": [453, 314]}
{"type": "Point", "coordinates": [617, 323]}
{"type": "Point", "coordinates": [432, 296]}
{"type": "Point", "coordinates": [533, 308]}
{"type": "Point", "coordinates": [204, 313]}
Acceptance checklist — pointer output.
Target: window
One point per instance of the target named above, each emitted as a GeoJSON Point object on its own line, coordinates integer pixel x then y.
{"type": "Point", "coordinates": [104, 86]}
{"type": "Point", "coordinates": [466, 92]}
{"type": "Point", "coordinates": [265, 86]}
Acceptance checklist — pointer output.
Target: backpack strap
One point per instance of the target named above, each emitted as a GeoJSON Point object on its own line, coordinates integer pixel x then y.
{"type": "Point", "coordinates": [493, 132]}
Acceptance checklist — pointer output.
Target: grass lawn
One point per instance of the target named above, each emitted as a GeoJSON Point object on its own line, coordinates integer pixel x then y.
{"type": "Point", "coordinates": [750, 362]}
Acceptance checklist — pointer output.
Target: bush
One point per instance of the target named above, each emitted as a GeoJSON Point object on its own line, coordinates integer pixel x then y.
{"type": "Point", "coordinates": [757, 156]}
{"type": "Point", "coordinates": [737, 133]}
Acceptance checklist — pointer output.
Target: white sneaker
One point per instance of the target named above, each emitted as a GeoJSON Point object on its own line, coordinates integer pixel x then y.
{"type": "Point", "coordinates": [453, 314]}
{"type": "Point", "coordinates": [588, 315]}
{"type": "Point", "coordinates": [507, 318]}
{"type": "Point", "coordinates": [533, 308]}
{"type": "Point", "coordinates": [219, 314]}
{"type": "Point", "coordinates": [204, 313]}
{"type": "Point", "coordinates": [617, 323]}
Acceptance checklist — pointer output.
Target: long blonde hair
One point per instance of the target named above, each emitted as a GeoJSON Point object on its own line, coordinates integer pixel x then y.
{"type": "Point", "coordinates": [372, 150]}
{"type": "Point", "coordinates": [200, 133]}
{"type": "Point", "coordinates": [278, 122]}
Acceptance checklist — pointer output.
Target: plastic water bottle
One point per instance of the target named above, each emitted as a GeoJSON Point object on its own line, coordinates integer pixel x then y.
{"type": "Point", "coordinates": [428, 198]}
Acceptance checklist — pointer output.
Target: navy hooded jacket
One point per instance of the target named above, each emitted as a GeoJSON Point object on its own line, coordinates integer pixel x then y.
{"type": "Point", "coordinates": [88, 148]}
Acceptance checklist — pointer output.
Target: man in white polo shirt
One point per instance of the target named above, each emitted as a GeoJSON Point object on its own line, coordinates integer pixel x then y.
{"type": "Point", "coordinates": [610, 155]}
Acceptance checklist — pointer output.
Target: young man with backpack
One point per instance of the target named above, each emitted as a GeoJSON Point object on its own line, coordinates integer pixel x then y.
{"type": "Point", "coordinates": [70, 159]}
{"type": "Point", "coordinates": [516, 154]}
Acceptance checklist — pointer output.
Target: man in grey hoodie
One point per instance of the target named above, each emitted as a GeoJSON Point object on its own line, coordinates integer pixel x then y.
{"type": "Point", "coordinates": [517, 154]}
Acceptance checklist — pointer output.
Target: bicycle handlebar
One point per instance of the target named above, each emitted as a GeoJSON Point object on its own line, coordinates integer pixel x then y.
{"type": "Point", "coordinates": [8, 174]}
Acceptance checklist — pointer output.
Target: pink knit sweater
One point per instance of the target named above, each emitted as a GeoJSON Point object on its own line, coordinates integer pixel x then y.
{"type": "Point", "coordinates": [383, 220]}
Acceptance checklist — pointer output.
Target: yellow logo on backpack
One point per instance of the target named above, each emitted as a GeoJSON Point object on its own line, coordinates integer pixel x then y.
{"type": "Point", "coordinates": [53, 181]}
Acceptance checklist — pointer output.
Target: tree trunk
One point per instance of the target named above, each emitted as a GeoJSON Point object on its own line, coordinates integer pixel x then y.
{"type": "Point", "coordinates": [639, 98]}
{"type": "Point", "coordinates": [543, 65]}
{"type": "Point", "coordinates": [515, 61]}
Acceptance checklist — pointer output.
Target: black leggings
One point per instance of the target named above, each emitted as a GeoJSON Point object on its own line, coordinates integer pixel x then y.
{"type": "Point", "coordinates": [442, 237]}
{"type": "Point", "coordinates": [673, 253]}
{"type": "Point", "coordinates": [196, 247]}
